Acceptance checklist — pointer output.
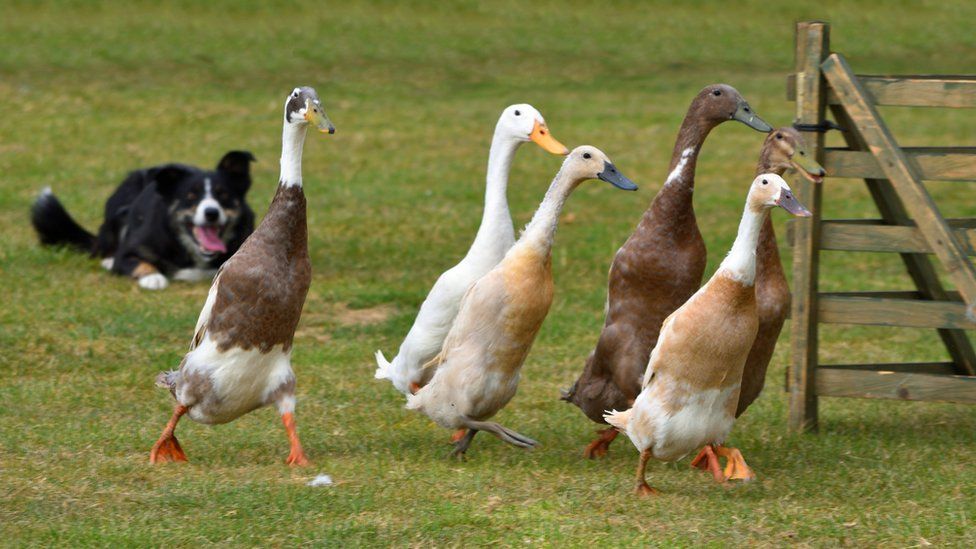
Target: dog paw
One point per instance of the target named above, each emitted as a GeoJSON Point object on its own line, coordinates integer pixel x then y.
{"type": "Point", "coordinates": [107, 263]}
{"type": "Point", "coordinates": [153, 281]}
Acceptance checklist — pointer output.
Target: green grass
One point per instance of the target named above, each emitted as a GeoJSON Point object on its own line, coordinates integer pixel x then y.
{"type": "Point", "coordinates": [87, 93]}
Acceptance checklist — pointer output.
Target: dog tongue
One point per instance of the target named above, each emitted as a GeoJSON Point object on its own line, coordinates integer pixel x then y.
{"type": "Point", "coordinates": [209, 239]}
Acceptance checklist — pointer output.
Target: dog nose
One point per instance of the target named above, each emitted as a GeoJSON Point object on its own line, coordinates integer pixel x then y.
{"type": "Point", "coordinates": [211, 214]}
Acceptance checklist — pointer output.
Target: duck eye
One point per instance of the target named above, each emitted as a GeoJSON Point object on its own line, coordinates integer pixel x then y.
{"type": "Point", "coordinates": [803, 153]}
{"type": "Point", "coordinates": [717, 93]}
{"type": "Point", "coordinates": [517, 113]}
{"type": "Point", "coordinates": [765, 182]}
{"type": "Point", "coordinates": [779, 136]}
{"type": "Point", "coordinates": [587, 156]}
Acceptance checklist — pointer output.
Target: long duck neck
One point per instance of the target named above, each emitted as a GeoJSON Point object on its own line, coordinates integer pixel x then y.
{"type": "Point", "coordinates": [496, 218]}
{"type": "Point", "coordinates": [542, 229]}
{"type": "Point", "coordinates": [768, 250]}
{"type": "Point", "coordinates": [684, 156]}
{"type": "Point", "coordinates": [286, 218]}
{"type": "Point", "coordinates": [740, 264]}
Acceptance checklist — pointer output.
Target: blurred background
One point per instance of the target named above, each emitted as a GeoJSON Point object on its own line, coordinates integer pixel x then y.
{"type": "Point", "coordinates": [89, 91]}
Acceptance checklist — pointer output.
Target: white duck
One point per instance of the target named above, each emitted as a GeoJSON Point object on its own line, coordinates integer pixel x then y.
{"type": "Point", "coordinates": [240, 355]}
{"type": "Point", "coordinates": [478, 368]}
{"type": "Point", "coordinates": [516, 125]}
{"type": "Point", "coordinates": [691, 385]}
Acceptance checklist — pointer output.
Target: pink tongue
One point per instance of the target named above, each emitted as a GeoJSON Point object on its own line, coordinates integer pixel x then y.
{"type": "Point", "coordinates": [209, 239]}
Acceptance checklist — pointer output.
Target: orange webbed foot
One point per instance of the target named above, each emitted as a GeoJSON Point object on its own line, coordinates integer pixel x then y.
{"type": "Point", "coordinates": [458, 435]}
{"type": "Point", "coordinates": [736, 467]}
{"type": "Point", "coordinates": [297, 459]}
{"type": "Point", "coordinates": [599, 447]}
{"type": "Point", "coordinates": [644, 490]}
{"type": "Point", "coordinates": [707, 460]}
{"type": "Point", "coordinates": [166, 449]}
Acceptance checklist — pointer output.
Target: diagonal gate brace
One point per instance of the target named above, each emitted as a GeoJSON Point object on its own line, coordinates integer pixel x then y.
{"type": "Point", "coordinates": [904, 180]}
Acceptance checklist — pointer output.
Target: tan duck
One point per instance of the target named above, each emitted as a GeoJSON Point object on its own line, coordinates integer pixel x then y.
{"type": "Point", "coordinates": [655, 271]}
{"type": "Point", "coordinates": [691, 385]}
{"type": "Point", "coordinates": [479, 366]}
{"type": "Point", "coordinates": [240, 355]}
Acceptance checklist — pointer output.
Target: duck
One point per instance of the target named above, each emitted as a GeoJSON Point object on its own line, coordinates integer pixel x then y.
{"type": "Point", "coordinates": [479, 367]}
{"type": "Point", "coordinates": [783, 149]}
{"type": "Point", "coordinates": [517, 124]}
{"type": "Point", "coordinates": [656, 270]}
{"type": "Point", "coordinates": [691, 383]}
{"type": "Point", "coordinates": [240, 355]}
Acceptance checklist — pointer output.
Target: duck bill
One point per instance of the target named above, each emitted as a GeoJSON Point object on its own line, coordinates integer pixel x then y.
{"type": "Point", "coordinates": [540, 136]}
{"type": "Point", "coordinates": [316, 116]}
{"type": "Point", "coordinates": [808, 168]}
{"type": "Point", "coordinates": [615, 178]}
{"type": "Point", "coordinates": [743, 113]}
{"type": "Point", "coordinates": [789, 203]}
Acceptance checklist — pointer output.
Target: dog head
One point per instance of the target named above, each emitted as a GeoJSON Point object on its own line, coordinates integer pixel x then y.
{"type": "Point", "coordinates": [205, 206]}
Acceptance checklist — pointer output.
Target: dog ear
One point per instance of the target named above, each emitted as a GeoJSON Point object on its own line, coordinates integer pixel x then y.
{"type": "Point", "coordinates": [167, 178]}
{"type": "Point", "coordinates": [237, 164]}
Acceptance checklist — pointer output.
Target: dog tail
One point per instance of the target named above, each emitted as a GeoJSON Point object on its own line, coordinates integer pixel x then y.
{"type": "Point", "coordinates": [55, 227]}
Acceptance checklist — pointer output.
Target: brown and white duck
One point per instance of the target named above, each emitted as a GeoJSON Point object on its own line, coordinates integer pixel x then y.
{"type": "Point", "coordinates": [656, 270]}
{"type": "Point", "coordinates": [240, 355]}
{"type": "Point", "coordinates": [691, 385]}
{"type": "Point", "coordinates": [479, 366]}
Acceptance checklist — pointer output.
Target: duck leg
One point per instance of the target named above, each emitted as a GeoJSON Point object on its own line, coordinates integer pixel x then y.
{"type": "Point", "coordinates": [735, 468]}
{"type": "Point", "coordinates": [599, 447]}
{"type": "Point", "coordinates": [507, 435]}
{"type": "Point", "coordinates": [296, 456]}
{"type": "Point", "coordinates": [458, 435]}
{"type": "Point", "coordinates": [707, 460]}
{"type": "Point", "coordinates": [643, 488]}
{"type": "Point", "coordinates": [167, 448]}
{"type": "Point", "coordinates": [462, 442]}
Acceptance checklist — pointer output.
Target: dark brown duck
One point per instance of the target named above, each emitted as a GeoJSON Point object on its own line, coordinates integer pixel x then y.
{"type": "Point", "coordinates": [656, 270]}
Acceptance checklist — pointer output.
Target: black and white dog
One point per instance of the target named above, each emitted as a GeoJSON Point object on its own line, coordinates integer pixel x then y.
{"type": "Point", "coordinates": [172, 221]}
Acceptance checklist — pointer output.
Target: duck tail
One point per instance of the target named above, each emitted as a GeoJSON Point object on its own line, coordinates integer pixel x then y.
{"type": "Point", "coordinates": [383, 366]}
{"type": "Point", "coordinates": [167, 380]}
{"type": "Point", "coordinates": [620, 420]}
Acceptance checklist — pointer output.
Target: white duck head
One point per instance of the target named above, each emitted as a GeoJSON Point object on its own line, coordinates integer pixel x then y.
{"type": "Point", "coordinates": [522, 122]}
{"type": "Point", "coordinates": [769, 191]}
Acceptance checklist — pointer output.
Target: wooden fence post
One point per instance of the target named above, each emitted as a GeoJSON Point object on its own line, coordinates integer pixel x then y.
{"type": "Point", "coordinates": [812, 47]}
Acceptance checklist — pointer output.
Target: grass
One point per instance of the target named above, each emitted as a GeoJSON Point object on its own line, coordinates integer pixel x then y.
{"type": "Point", "coordinates": [91, 91]}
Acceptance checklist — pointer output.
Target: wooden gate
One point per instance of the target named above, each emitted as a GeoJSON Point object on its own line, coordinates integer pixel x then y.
{"type": "Point", "coordinates": [909, 224]}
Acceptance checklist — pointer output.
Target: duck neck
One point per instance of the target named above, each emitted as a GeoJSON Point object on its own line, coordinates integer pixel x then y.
{"type": "Point", "coordinates": [768, 252]}
{"type": "Point", "coordinates": [740, 264]}
{"type": "Point", "coordinates": [541, 230]}
{"type": "Point", "coordinates": [684, 156]}
{"type": "Point", "coordinates": [292, 142]}
{"type": "Point", "coordinates": [496, 218]}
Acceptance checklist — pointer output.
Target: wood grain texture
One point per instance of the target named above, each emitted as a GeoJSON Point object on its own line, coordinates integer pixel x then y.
{"type": "Point", "coordinates": [919, 266]}
{"type": "Point", "coordinates": [931, 163]}
{"type": "Point", "coordinates": [875, 311]}
{"type": "Point", "coordinates": [896, 385]}
{"type": "Point", "coordinates": [903, 178]}
{"type": "Point", "coordinates": [812, 46]}
{"type": "Point", "coordinates": [909, 91]}
{"type": "Point", "coordinates": [885, 238]}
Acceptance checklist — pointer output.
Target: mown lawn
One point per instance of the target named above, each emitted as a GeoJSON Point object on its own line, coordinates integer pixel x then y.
{"type": "Point", "coordinates": [89, 92]}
